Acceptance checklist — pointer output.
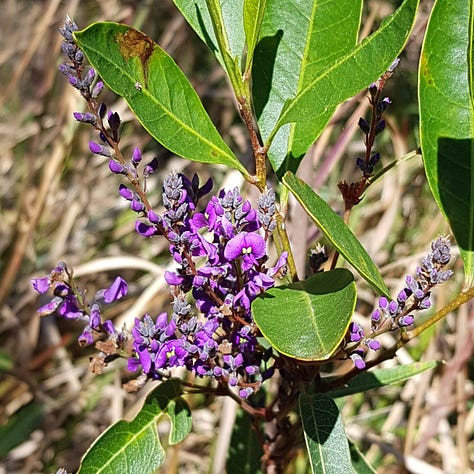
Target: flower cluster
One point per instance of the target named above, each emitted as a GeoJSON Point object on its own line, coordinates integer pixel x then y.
{"type": "Point", "coordinates": [69, 302]}
{"type": "Point", "coordinates": [220, 256]}
{"type": "Point", "coordinates": [415, 296]}
{"type": "Point", "coordinates": [377, 123]}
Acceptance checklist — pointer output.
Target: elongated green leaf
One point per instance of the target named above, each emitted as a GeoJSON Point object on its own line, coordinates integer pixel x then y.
{"type": "Point", "coordinates": [326, 441]}
{"type": "Point", "coordinates": [197, 15]}
{"type": "Point", "coordinates": [346, 77]}
{"type": "Point", "coordinates": [156, 90]}
{"type": "Point", "coordinates": [345, 242]}
{"type": "Point", "coordinates": [253, 17]}
{"type": "Point", "coordinates": [378, 378]}
{"type": "Point", "coordinates": [307, 320]}
{"type": "Point", "coordinates": [299, 40]}
{"type": "Point", "coordinates": [360, 465]}
{"type": "Point", "coordinates": [447, 119]}
{"type": "Point", "coordinates": [134, 446]}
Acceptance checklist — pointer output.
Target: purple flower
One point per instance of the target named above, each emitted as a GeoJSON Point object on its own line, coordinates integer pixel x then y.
{"type": "Point", "coordinates": [248, 246]}
{"type": "Point", "coordinates": [118, 289]}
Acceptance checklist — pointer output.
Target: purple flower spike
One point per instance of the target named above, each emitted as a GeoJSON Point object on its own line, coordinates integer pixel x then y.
{"type": "Point", "coordinates": [250, 246]}
{"type": "Point", "coordinates": [118, 289]}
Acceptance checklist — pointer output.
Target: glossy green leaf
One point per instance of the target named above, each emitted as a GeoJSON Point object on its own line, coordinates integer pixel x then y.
{"type": "Point", "coordinates": [299, 40]}
{"type": "Point", "coordinates": [447, 119]}
{"type": "Point", "coordinates": [245, 450]}
{"type": "Point", "coordinates": [347, 76]}
{"type": "Point", "coordinates": [333, 227]}
{"type": "Point", "coordinates": [197, 15]}
{"type": "Point", "coordinates": [360, 465]}
{"type": "Point", "coordinates": [156, 90]}
{"type": "Point", "coordinates": [326, 442]}
{"type": "Point", "coordinates": [134, 446]}
{"type": "Point", "coordinates": [307, 320]}
{"type": "Point", "coordinates": [380, 377]}
{"type": "Point", "coordinates": [253, 17]}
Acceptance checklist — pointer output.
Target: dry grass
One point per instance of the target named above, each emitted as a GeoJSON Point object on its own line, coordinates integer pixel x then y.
{"type": "Point", "coordinates": [60, 203]}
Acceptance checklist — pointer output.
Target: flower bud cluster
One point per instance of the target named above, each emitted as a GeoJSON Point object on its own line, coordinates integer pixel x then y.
{"type": "Point", "coordinates": [415, 296]}
{"type": "Point", "coordinates": [73, 68]}
{"type": "Point", "coordinates": [377, 123]}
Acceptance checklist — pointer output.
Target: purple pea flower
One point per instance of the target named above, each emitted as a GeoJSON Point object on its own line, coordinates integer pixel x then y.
{"type": "Point", "coordinates": [248, 246]}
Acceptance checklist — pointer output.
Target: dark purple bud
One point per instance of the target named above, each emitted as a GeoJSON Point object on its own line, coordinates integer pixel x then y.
{"type": "Point", "coordinates": [363, 125]}
{"type": "Point", "coordinates": [125, 192]}
{"type": "Point", "coordinates": [86, 117]}
{"type": "Point", "coordinates": [137, 206]}
{"type": "Point", "coordinates": [102, 110]}
{"type": "Point", "coordinates": [374, 159]}
{"type": "Point", "coordinates": [382, 106]}
{"type": "Point", "coordinates": [373, 89]}
{"type": "Point", "coordinates": [136, 156]}
{"type": "Point", "coordinates": [380, 127]}
{"type": "Point", "coordinates": [145, 230]}
{"type": "Point", "coordinates": [151, 167]}
{"type": "Point", "coordinates": [99, 149]}
{"type": "Point", "coordinates": [153, 217]}
{"type": "Point", "coordinates": [361, 164]}
{"type": "Point", "coordinates": [114, 121]}
{"type": "Point", "coordinates": [116, 167]}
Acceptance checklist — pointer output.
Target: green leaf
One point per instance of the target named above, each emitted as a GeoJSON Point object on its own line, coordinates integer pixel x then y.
{"type": "Point", "coordinates": [253, 17]}
{"type": "Point", "coordinates": [341, 237]}
{"type": "Point", "coordinates": [134, 446]}
{"type": "Point", "coordinates": [360, 465]}
{"type": "Point", "coordinates": [307, 320]}
{"type": "Point", "coordinates": [164, 101]}
{"type": "Point", "coordinates": [346, 77]}
{"type": "Point", "coordinates": [324, 434]}
{"type": "Point", "coordinates": [6, 362]}
{"type": "Point", "coordinates": [379, 378]}
{"type": "Point", "coordinates": [19, 426]}
{"type": "Point", "coordinates": [447, 119]}
{"type": "Point", "coordinates": [299, 40]}
{"type": "Point", "coordinates": [245, 450]}
{"type": "Point", "coordinates": [197, 15]}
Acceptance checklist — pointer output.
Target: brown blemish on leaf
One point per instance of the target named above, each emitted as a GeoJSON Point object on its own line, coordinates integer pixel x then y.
{"type": "Point", "coordinates": [134, 44]}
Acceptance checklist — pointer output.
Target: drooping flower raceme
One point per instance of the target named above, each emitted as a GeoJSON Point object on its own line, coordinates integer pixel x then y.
{"type": "Point", "coordinates": [415, 296]}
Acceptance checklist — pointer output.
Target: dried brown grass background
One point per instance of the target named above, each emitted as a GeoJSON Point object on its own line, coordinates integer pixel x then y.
{"type": "Point", "coordinates": [57, 202]}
